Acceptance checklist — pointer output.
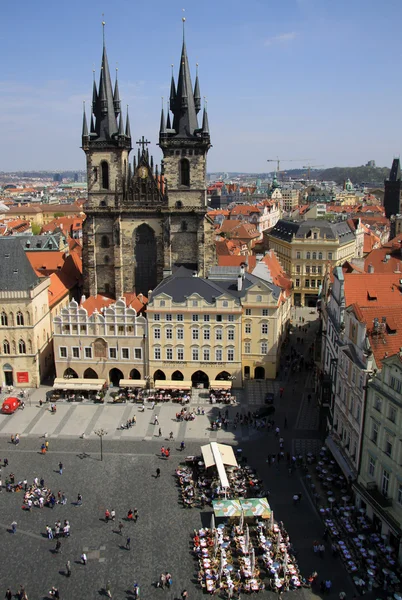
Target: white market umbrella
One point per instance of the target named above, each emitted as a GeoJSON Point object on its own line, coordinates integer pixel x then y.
{"type": "Point", "coordinates": [252, 560]}
{"type": "Point", "coordinates": [285, 562]}
{"type": "Point", "coordinates": [241, 524]}
{"type": "Point", "coordinates": [213, 521]}
{"type": "Point", "coordinates": [215, 542]}
{"type": "Point", "coordinates": [247, 540]}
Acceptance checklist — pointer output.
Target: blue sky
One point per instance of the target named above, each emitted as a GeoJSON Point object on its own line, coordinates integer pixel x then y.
{"type": "Point", "coordinates": [312, 79]}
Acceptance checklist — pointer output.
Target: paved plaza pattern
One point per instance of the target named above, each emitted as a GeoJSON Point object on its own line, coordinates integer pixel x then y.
{"type": "Point", "coordinates": [125, 479]}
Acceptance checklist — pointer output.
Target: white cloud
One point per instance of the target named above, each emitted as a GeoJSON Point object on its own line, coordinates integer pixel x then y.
{"type": "Point", "coordinates": [283, 38]}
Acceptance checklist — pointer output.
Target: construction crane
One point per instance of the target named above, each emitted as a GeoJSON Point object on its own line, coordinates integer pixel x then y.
{"type": "Point", "coordinates": [279, 160]}
{"type": "Point", "coordinates": [309, 167]}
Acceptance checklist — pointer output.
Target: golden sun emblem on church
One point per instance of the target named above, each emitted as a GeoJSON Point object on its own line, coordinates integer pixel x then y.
{"type": "Point", "coordinates": [142, 172]}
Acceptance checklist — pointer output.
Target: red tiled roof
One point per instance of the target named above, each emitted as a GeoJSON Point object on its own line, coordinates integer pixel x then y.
{"type": "Point", "coordinates": [46, 262]}
{"type": "Point", "coordinates": [373, 289]}
{"type": "Point", "coordinates": [237, 261]}
{"type": "Point", "coordinates": [244, 209]}
{"type": "Point", "coordinates": [386, 259]}
{"type": "Point", "coordinates": [98, 302]}
{"type": "Point", "coordinates": [386, 338]}
{"type": "Point", "coordinates": [279, 277]}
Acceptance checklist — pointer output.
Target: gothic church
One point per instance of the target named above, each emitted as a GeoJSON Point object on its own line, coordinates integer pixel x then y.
{"type": "Point", "coordinates": [142, 222]}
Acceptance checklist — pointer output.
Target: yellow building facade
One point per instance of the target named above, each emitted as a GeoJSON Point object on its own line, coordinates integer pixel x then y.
{"type": "Point", "coordinates": [306, 249]}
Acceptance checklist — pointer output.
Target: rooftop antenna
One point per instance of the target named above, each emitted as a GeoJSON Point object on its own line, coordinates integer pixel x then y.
{"type": "Point", "coordinates": [103, 28]}
{"type": "Point", "coordinates": [184, 20]}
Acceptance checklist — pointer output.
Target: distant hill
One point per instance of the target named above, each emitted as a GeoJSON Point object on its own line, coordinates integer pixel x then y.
{"type": "Point", "coordinates": [357, 175]}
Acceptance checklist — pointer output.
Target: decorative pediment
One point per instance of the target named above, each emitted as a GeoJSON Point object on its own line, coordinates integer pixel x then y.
{"type": "Point", "coordinates": [146, 187]}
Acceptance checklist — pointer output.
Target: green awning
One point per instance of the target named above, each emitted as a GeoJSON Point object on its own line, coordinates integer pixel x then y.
{"type": "Point", "coordinates": [226, 508]}
{"type": "Point", "coordinates": [255, 507]}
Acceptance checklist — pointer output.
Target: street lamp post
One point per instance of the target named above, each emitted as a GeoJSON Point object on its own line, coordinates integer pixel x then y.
{"type": "Point", "coordinates": [100, 433]}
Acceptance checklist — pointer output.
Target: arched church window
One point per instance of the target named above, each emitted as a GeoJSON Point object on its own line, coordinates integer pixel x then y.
{"type": "Point", "coordinates": [104, 241]}
{"type": "Point", "coordinates": [6, 347]}
{"type": "Point", "coordinates": [20, 318]}
{"type": "Point", "coordinates": [185, 172]}
{"type": "Point", "coordinates": [4, 319]}
{"type": "Point", "coordinates": [105, 175]}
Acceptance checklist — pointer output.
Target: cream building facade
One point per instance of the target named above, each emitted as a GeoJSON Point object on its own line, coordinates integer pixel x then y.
{"type": "Point", "coordinates": [25, 319]}
{"type": "Point", "coordinates": [306, 249]}
{"type": "Point", "coordinates": [229, 326]}
{"type": "Point", "coordinates": [379, 485]}
{"type": "Point", "coordinates": [101, 339]}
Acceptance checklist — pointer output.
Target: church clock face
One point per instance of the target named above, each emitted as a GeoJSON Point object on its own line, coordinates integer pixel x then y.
{"type": "Point", "coordinates": [142, 172]}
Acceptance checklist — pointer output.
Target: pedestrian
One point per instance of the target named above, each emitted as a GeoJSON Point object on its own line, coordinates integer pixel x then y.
{"type": "Point", "coordinates": [9, 594]}
{"type": "Point", "coordinates": [163, 451]}
{"type": "Point", "coordinates": [136, 590]}
{"type": "Point", "coordinates": [128, 544]}
{"type": "Point", "coordinates": [121, 528]}
{"type": "Point", "coordinates": [182, 446]}
{"type": "Point", "coordinates": [84, 558]}
{"type": "Point", "coordinates": [160, 432]}
{"type": "Point", "coordinates": [113, 514]}
{"type": "Point", "coordinates": [184, 595]}
{"type": "Point", "coordinates": [108, 589]}
{"type": "Point", "coordinates": [68, 569]}
{"type": "Point", "coordinates": [171, 435]}
{"type": "Point", "coordinates": [79, 499]}
{"type": "Point", "coordinates": [54, 592]}
{"type": "Point", "coordinates": [328, 585]}
{"type": "Point", "coordinates": [158, 472]}
{"type": "Point", "coordinates": [162, 581]}
{"type": "Point", "coordinates": [47, 446]}
{"type": "Point", "coordinates": [14, 526]}
{"type": "Point", "coordinates": [135, 515]}
{"type": "Point", "coordinates": [342, 595]}
{"type": "Point", "coordinates": [107, 516]}
{"type": "Point", "coordinates": [61, 468]}
{"type": "Point", "coordinates": [322, 550]}
{"type": "Point", "coordinates": [58, 547]}
{"type": "Point", "coordinates": [156, 422]}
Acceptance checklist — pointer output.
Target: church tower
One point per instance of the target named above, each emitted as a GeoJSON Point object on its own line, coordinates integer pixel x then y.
{"type": "Point", "coordinates": [107, 145]}
{"type": "Point", "coordinates": [185, 146]}
{"type": "Point", "coordinates": [142, 223]}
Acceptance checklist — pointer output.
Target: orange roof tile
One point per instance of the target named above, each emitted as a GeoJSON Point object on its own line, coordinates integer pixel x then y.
{"type": "Point", "coordinates": [373, 289]}
{"type": "Point", "coordinates": [385, 339]}
{"type": "Point", "coordinates": [386, 259]}
{"type": "Point", "coordinates": [98, 302]}
{"type": "Point", "coordinates": [237, 261]}
{"type": "Point", "coordinates": [279, 277]}
{"type": "Point", "coordinates": [57, 289]}
{"type": "Point", "coordinates": [46, 262]}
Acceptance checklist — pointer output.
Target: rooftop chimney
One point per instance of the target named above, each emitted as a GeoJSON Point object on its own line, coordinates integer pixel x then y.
{"type": "Point", "coordinates": [141, 298]}
{"type": "Point", "coordinates": [370, 269]}
{"type": "Point", "coordinates": [83, 298]}
{"type": "Point", "coordinates": [149, 295]}
{"type": "Point", "coordinates": [239, 283]}
{"type": "Point", "coordinates": [195, 274]}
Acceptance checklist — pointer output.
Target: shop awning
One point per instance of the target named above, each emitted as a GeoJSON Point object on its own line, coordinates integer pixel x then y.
{"type": "Point", "coordinates": [132, 383]}
{"type": "Point", "coordinates": [92, 385]}
{"type": "Point", "coordinates": [216, 384]}
{"type": "Point", "coordinates": [255, 507]}
{"type": "Point", "coordinates": [340, 459]}
{"type": "Point", "coordinates": [226, 508]}
{"type": "Point", "coordinates": [219, 455]}
{"type": "Point", "coordinates": [167, 384]}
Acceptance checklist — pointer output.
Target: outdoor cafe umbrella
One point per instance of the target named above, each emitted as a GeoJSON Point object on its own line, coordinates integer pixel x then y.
{"type": "Point", "coordinates": [247, 540]}
{"type": "Point", "coordinates": [285, 562]}
{"type": "Point", "coordinates": [241, 524]}
{"type": "Point", "coordinates": [212, 521]}
{"type": "Point", "coordinates": [216, 542]}
{"type": "Point", "coordinates": [252, 560]}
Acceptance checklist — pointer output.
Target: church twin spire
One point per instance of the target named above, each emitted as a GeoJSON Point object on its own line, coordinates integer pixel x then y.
{"type": "Point", "coordinates": [107, 121]}
{"type": "Point", "coordinates": [185, 104]}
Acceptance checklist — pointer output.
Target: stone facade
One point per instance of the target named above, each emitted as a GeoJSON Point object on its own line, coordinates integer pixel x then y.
{"type": "Point", "coordinates": [143, 223]}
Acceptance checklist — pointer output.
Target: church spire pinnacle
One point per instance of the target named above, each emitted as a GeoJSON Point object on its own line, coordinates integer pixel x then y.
{"type": "Point", "coordinates": [205, 123]}
{"type": "Point", "coordinates": [128, 128]}
{"type": "Point", "coordinates": [162, 128]}
{"type": "Point", "coordinates": [84, 125]}
{"type": "Point", "coordinates": [106, 122]}
{"type": "Point", "coordinates": [197, 94]}
{"type": "Point", "coordinates": [116, 97]}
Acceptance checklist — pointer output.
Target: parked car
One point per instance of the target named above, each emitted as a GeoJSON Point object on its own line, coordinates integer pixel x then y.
{"type": "Point", "coordinates": [269, 398]}
{"type": "Point", "coordinates": [10, 405]}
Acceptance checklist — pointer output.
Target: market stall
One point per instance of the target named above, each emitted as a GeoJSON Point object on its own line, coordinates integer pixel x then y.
{"type": "Point", "coordinates": [78, 389]}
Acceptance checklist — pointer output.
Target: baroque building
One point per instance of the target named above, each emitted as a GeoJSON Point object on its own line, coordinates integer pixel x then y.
{"type": "Point", "coordinates": [143, 223]}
